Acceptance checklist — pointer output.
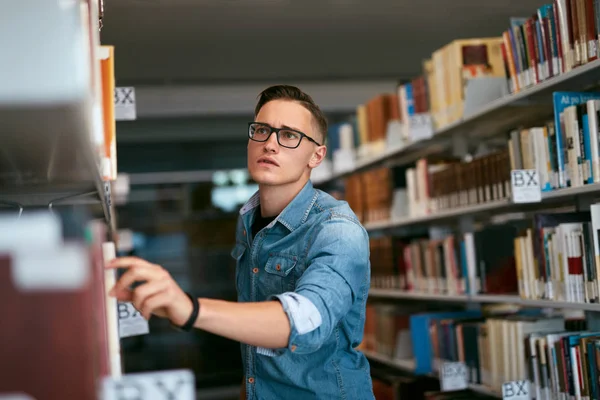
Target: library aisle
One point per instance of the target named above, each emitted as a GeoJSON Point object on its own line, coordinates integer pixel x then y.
{"type": "Point", "coordinates": [470, 154]}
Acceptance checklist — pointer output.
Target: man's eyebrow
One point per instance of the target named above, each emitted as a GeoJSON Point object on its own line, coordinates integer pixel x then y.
{"type": "Point", "coordinates": [290, 127]}
{"type": "Point", "coordinates": [282, 126]}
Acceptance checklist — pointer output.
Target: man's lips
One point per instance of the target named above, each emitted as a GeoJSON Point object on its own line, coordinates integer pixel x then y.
{"type": "Point", "coordinates": [266, 160]}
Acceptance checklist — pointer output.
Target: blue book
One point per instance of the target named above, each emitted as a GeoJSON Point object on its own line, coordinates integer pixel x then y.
{"type": "Point", "coordinates": [421, 338]}
{"type": "Point", "coordinates": [591, 355]}
{"type": "Point", "coordinates": [562, 100]}
{"type": "Point", "coordinates": [410, 100]}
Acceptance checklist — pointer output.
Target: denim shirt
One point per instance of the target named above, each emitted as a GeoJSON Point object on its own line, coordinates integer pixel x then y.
{"type": "Point", "coordinates": [314, 259]}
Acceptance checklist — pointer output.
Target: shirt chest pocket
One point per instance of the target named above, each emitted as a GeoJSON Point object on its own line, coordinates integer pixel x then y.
{"type": "Point", "coordinates": [280, 276]}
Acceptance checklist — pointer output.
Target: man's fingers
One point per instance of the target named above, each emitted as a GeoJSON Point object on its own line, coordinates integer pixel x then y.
{"type": "Point", "coordinates": [147, 290]}
{"type": "Point", "coordinates": [145, 273]}
{"type": "Point", "coordinates": [127, 262]}
{"type": "Point", "coordinates": [122, 295]}
{"type": "Point", "coordinates": [154, 303]}
{"type": "Point", "coordinates": [127, 280]}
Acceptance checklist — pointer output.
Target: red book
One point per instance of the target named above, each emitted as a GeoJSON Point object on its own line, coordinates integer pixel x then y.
{"type": "Point", "coordinates": [47, 340]}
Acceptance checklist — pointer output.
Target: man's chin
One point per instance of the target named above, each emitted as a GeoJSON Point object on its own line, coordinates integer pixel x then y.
{"type": "Point", "coordinates": [265, 178]}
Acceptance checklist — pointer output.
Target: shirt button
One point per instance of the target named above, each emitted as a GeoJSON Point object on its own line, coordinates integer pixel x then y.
{"type": "Point", "coordinates": [278, 267]}
{"type": "Point", "coordinates": [293, 347]}
{"type": "Point", "coordinates": [250, 380]}
{"type": "Point", "coordinates": [255, 270]}
{"type": "Point", "coordinates": [244, 232]}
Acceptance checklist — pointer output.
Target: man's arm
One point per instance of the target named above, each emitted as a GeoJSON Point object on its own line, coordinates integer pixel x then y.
{"type": "Point", "coordinates": [263, 324]}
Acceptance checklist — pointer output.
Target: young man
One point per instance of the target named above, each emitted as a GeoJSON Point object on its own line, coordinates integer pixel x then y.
{"type": "Point", "coordinates": [302, 275]}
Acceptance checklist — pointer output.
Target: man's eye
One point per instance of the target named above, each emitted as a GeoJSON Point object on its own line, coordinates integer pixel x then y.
{"type": "Point", "coordinates": [262, 131]}
{"type": "Point", "coordinates": [291, 135]}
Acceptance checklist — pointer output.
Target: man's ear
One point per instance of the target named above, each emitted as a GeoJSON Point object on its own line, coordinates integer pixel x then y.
{"type": "Point", "coordinates": [318, 157]}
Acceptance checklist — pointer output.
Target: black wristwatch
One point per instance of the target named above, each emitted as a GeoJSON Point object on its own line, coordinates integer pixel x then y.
{"type": "Point", "coordinates": [194, 316]}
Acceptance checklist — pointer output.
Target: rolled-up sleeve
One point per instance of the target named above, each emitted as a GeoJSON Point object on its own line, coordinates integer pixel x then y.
{"type": "Point", "coordinates": [337, 272]}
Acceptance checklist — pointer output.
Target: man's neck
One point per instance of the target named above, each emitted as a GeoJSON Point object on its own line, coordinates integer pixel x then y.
{"type": "Point", "coordinates": [273, 199]}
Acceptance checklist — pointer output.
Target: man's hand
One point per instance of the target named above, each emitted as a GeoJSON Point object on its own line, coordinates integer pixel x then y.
{"type": "Point", "coordinates": [158, 295]}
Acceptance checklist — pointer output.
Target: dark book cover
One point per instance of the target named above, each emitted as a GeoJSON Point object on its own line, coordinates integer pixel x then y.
{"type": "Point", "coordinates": [48, 343]}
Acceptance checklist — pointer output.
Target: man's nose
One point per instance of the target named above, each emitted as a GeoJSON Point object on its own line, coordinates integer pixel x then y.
{"type": "Point", "coordinates": [271, 144]}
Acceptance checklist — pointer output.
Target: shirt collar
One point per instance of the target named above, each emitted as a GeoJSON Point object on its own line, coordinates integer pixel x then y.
{"type": "Point", "coordinates": [295, 213]}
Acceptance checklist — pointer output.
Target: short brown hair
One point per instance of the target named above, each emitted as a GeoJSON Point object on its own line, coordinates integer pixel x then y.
{"type": "Point", "coordinates": [292, 93]}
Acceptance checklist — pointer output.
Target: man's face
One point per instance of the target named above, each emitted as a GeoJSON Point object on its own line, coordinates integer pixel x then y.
{"type": "Point", "coordinates": [272, 164]}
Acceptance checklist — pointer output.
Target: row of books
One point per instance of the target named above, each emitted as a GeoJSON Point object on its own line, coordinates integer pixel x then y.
{"type": "Point", "coordinates": [370, 194]}
{"type": "Point", "coordinates": [565, 151]}
{"type": "Point", "coordinates": [557, 38]}
{"type": "Point", "coordinates": [558, 354]}
{"type": "Point", "coordinates": [387, 331]}
{"type": "Point", "coordinates": [436, 187]}
{"type": "Point", "coordinates": [558, 258]}
{"type": "Point", "coordinates": [384, 193]}
{"type": "Point", "coordinates": [479, 262]}
{"type": "Point", "coordinates": [549, 256]}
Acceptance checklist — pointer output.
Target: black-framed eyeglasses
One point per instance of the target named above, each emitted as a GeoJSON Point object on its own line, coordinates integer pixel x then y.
{"type": "Point", "coordinates": [286, 137]}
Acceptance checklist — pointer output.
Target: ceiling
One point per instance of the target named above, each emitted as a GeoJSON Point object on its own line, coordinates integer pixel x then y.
{"type": "Point", "coordinates": [200, 42]}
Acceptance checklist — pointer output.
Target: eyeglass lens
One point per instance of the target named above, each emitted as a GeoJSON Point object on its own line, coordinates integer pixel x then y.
{"type": "Point", "coordinates": [286, 138]}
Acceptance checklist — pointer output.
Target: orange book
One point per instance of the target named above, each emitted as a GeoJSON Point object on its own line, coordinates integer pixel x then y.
{"type": "Point", "coordinates": [109, 160]}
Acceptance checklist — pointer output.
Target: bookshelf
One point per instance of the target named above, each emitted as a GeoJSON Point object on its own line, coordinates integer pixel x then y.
{"type": "Point", "coordinates": [517, 280]}
{"type": "Point", "coordinates": [53, 136]}
{"type": "Point", "coordinates": [493, 118]}
{"type": "Point", "coordinates": [57, 167]}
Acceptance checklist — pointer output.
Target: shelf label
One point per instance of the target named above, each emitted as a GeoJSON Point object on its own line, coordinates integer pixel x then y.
{"type": "Point", "coordinates": [525, 184]}
{"type": "Point", "coordinates": [161, 385]}
{"type": "Point", "coordinates": [516, 390]}
{"type": "Point", "coordinates": [453, 376]}
{"type": "Point", "coordinates": [420, 126]}
{"type": "Point", "coordinates": [15, 396]}
{"type": "Point", "coordinates": [131, 321]}
{"type": "Point", "coordinates": [125, 104]}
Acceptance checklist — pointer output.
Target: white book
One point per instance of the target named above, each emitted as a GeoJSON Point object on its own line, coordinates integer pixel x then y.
{"type": "Point", "coordinates": [564, 231]}
{"type": "Point", "coordinates": [593, 111]}
{"type": "Point", "coordinates": [595, 213]}
{"type": "Point", "coordinates": [471, 264]}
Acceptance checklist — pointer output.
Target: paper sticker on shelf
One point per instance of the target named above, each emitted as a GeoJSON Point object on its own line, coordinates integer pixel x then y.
{"type": "Point", "coordinates": [420, 126]}
{"type": "Point", "coordinates": [453, 376]}
{"type": "Point", "coordinates": [15, 396]}
{"type": "Point", "coordinates": [516, 390]}
{"type": "Point", "coordinates": [125, 109]}
{"type": "Point", "coordinates": [525, 185]}
{"type": "Point", "coordinates": [161, 385]}
{"type": "Point", "coordinates": [131, 321]}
